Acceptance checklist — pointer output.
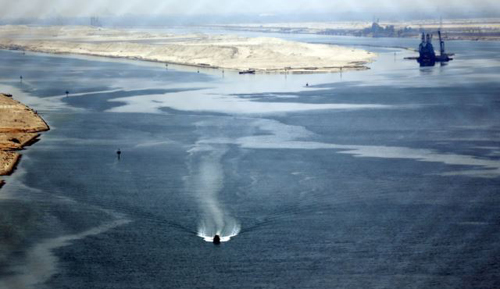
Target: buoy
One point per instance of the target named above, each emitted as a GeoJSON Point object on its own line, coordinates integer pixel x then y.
{"type": "Point", "coordinates": [217, 240]}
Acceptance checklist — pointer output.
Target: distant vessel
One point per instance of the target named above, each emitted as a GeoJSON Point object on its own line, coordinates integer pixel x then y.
{"type": "Point", "coordinates": [427, 55]}
{"type": "Point", "coordinates": [249, 71]}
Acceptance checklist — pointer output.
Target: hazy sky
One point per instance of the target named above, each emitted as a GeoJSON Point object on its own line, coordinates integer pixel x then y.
{"type": "Point", "coordinates": [71, 8]}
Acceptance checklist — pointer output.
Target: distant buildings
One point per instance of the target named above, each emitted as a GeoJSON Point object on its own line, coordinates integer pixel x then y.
{"type": "Point", "coordinates": [94, 21]}
{"type": "Point", "coordinates": [376, 30]}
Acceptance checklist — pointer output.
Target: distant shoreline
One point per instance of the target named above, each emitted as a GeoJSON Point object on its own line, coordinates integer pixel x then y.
{"type": "Point", "coordinates": [19, 127]}
{"type": "Point", "coordinates": [468, 37]}
{"type": "Point", "coordinates": [452, 29]}
{"type": "Point", "coordinates": [223, 52]}
{"type": "Point", "coordinates": [360, 66]}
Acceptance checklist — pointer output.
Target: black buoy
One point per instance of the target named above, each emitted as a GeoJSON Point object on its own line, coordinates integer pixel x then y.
{"type": "Point", "coordinates": [118, 154]}
{"type": "Point", "coordinates": [67, 93]}
{"type": "Point", "coordinates": [217, 240]}
{"type": "Point", "coordinates": [21, 78]}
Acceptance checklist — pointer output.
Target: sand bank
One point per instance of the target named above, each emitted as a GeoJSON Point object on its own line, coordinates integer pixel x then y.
{"type": "Point", "coordinates": [19, 127]}
{"type": "Point", "coordinates": [262, 54]}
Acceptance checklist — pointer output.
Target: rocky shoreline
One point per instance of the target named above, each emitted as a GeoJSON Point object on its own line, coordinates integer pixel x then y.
{"type": "Point", "coordinates": [19, 127]}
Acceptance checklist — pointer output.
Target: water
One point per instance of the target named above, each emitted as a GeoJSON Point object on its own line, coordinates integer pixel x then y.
{"type": "Point", "coordinates": [386, 178]}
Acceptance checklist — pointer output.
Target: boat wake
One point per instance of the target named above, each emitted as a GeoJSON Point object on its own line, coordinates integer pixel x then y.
{"type": "Point", "coordinates": [41, 263]}
{"type": "Point", "coordinates": [230, 230]}
{"type": "Point", "coordinates": [206, 181]}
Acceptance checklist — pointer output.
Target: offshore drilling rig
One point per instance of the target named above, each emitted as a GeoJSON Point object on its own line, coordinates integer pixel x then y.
{"type": "Point", "coordinates": [427, 55]}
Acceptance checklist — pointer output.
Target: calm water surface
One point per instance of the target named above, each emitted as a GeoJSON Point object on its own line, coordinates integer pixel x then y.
{"type": "Point", "coordinates": [386, 178]}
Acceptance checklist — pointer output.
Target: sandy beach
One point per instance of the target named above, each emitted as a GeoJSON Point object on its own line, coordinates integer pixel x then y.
{"type": "Point", "coordinates": [19, 127]}
{"type": "Point", "coordinates": [262, 54]}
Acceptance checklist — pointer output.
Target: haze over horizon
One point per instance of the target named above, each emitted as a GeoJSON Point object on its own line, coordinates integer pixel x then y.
{"type": "Point", "coordinates": [259, 9]}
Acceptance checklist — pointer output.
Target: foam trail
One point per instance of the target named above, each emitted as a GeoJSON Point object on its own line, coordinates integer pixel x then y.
{"type": "Point", "coordinates": [206, 180]}
{"type": "Point", "coordinates": [41, 263]}
{"type": "Point", "coordinates": [231, 229]}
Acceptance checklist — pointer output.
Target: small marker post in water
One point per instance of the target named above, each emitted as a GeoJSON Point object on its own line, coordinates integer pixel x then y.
{"type": "Point", "coordinates": [118, 154]}
{"type": "Point", "coordinates": [21, 78]}
{"type": "Point", "coordinates": [67, 93]}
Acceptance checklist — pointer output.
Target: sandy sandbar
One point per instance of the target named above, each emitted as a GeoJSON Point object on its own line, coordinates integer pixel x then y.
{"type": "Point", "coordinates": [262, 54]}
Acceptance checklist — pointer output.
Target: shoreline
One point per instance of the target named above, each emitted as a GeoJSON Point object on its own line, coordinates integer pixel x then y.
{"type": "Point", "coordinates": [361, 66]}
{"type": "Point", "coordinates": [20, 126]}
{"type": "Point", "coordinates": [474, 29]}
{"type": "Point", "coordinates": [353, 66]}
{"type": "Point", "coordinates": [474, 38]}
{"type": "Point", "coordinates": [220, 52]}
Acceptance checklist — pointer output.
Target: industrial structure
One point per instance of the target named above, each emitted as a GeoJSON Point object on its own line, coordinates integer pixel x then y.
{"type": "Point", "coordinates": [427, 55]}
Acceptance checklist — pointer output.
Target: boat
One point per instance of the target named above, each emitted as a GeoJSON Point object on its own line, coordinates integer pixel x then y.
{"type": "Point", "coordinates": [248, 71]}
{"type": "Point", "coordinates": [216, 240]}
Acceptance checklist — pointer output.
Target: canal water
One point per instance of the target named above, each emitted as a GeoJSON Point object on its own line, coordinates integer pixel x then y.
{"type": "Point", "coordinates": [385, 178]}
